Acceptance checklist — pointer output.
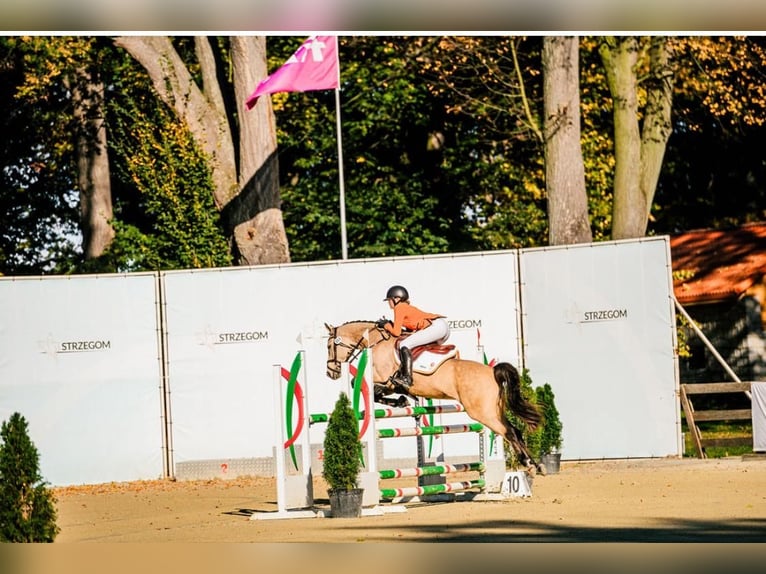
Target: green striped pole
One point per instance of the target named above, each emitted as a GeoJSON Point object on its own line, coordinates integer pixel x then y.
{"type": "Point", "coordinates": [431, 489]}
{"type": "Point", "coordinates": [431, 470]}
{"type": "Point", "coordinates": [425, 431]}
{"type": "Point", "coordinates": [397, 412]}
{"type": "Point", "coordinates": [418, 410]}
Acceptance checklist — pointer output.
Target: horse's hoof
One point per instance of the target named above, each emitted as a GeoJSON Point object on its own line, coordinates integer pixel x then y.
{"type": "Point", "coordinates": [541, 469]}
{"type": "Point", "coordinates": [402, 402]}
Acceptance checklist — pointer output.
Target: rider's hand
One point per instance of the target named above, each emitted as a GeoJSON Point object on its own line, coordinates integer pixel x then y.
{"type": "Point", "coordinates": [380, 323]}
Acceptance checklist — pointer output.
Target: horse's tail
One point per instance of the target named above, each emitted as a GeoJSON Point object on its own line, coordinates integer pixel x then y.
{"type": "Point", "coordinates": [507, 378]}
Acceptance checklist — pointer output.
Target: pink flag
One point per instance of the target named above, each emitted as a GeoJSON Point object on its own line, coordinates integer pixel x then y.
{"type": "Point", "coordinates": [314, 66]}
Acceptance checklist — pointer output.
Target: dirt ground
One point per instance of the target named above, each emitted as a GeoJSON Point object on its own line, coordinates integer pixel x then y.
{"type": "Point", "coordinates": [658, 500]}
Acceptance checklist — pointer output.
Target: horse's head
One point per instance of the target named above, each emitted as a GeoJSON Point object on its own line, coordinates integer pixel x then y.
{"type": "Point", "coordinates": [345, 343]}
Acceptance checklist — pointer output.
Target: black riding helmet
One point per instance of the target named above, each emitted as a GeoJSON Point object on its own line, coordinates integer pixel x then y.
{"type": "Point", "coordinates": [397, 291]}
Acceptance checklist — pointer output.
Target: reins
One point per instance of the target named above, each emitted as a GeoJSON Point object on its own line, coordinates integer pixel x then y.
{"type": "Point", "coordinates": [354, 350]}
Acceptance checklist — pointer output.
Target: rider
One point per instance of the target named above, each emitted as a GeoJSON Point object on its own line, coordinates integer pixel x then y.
{"type": "Point", "coordinates": [425, 328]}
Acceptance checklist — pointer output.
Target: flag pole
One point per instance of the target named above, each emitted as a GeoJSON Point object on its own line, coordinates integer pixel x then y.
{"type": "Point", "coordinates": [342, 198]}
{"type": "Point", "coordinates": [343, 242]}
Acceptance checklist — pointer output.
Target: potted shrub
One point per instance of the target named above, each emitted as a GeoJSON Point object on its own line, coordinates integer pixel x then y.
{"type": "Point", "coordinates": [550, 431]}
{"type": "Point", "coordinates": [342, 460]}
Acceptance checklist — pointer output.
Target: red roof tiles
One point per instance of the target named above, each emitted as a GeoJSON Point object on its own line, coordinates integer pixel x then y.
{"type": "Point", "coordinates": [724, 263]}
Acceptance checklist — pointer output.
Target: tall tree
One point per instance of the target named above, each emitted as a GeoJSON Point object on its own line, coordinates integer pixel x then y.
{"type": "Point", "coordinates": [94, 181]}
{"type": "Point", "coordinates": [638, 148]}
{"type": "Point", "coordinates": [564, 170]}
{"type": "Point", "coordinates": [38, 187]}
{"type": "Point", "coordinates": [246, 185]}
{"type": "Point", "coordinates": [76, 64]}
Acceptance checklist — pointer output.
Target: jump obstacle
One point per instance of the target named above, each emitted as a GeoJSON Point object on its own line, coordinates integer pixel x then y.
{"type": "Point", "coordinates": [295, 497]}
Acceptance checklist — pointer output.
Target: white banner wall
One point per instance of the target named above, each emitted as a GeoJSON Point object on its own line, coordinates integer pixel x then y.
{"type": "Point", "coordinates": [80, 356]}
{"type": "Point", "coordinates": [79, 360]}
{"type": "Point", "coordinates": [599, 327]}
{"type": "Point", "coordinates": [227, 328]}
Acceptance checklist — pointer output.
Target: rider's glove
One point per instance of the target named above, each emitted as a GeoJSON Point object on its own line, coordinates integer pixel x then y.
{"type": "Point", "coordinates": [380, 323]}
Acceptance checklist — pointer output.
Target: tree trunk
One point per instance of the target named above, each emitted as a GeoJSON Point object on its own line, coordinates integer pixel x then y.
{"type": "Point", "coordinates": [564, 170]}
{"type": "Point", "coordinates": [249, 201]}
{"type": "Point", "coordinates": [638, 153]}
{"type": "Point", "coordinates": [620, 56]}
{"type": "Point", "coordinates": [258, 164]}
{"type": "Point", "coordinates": [657, 125]}
{"type": "Point", "coordinates": [92, 163]}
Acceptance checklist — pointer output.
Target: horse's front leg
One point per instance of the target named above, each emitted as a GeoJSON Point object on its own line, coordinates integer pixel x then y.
{"type": "Point", "coordinates": [381, 392]}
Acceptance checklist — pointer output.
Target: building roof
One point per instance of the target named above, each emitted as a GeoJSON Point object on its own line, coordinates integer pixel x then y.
{"type": "Point", "coordinates": [724, 263]}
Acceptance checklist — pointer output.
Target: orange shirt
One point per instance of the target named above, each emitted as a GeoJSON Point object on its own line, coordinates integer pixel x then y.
{"type": "Point", "coordinates": [410, 317]}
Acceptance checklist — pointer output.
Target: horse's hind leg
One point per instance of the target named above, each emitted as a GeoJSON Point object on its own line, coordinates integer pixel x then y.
{"type": "Point", "coordinates": [502, 427]}
{"type": "Point", "coordinates": [516, 439]}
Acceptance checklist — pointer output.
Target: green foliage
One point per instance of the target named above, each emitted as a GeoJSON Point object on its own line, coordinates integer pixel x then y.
{"type": "Point", "coordinates": [551, 428]}
{"type": "Point", "coordinates": [421, 176]}
{"type": "Point", "coordinates": [547, 437]}
{"type": "Point", "coordinates": [342, 447]}
{"type": "Point", "coordinates": [740, 429]}
{"type": "Point", "coordinates": [38, 198]}
{"type": "Point", "coordinates": [439, 142]}
{"type": "Point", "coordinates": [27, 506]}
{"type": "Point", "coordinates": [167, 177]}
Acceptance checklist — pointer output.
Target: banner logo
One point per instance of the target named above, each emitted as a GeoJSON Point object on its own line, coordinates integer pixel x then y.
{"type": "Point", "coordinates": [464, 324]}
{"type": "Point", "coordinates": [604, 315]}
{"type": "Point", "coordinates": [241, 337]}
{"type": "Point", "coordinates": [211, 339]}
{"type": "Point", "coordinates": [51, 346]}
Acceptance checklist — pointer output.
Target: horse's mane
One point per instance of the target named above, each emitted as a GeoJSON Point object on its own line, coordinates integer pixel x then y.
{"type": "Point", "coordinates": [357, 321]}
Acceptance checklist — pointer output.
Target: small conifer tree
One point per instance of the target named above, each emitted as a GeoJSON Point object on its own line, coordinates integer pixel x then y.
{"type": "Point", "coordinates": [342, 447]}
{"type": "Point", "coordinates": [551, 429]}
{"type": "Point", "coordinates": [27, 506]}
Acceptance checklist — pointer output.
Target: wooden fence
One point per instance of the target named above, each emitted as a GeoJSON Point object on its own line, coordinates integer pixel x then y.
{"type": "Point", "coordinates": [693, 416]}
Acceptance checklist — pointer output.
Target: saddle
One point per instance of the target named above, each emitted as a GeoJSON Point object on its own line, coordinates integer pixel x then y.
{"type": "Point", "coordinates": [427, 358]}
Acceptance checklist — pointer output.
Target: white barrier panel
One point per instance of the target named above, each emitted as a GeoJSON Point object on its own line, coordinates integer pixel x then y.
{"type": "Point", "coordinates": [79, 355]}
{"type": "Point", "coordinates": [758, 390]}
{"type": "Point", "coordinates": [227, 328]}
{"type": "Point", "coordinates": [79, 360]}
{"type": "Point", "coordinates": [599, 327]}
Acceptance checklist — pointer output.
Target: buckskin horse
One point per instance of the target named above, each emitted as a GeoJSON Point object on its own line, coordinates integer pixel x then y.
{"type": "Point", "coordinates": [486, 392]}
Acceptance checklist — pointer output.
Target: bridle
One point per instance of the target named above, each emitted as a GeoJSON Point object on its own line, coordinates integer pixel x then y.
{"type": "Point", "coordinates": [333, 362]}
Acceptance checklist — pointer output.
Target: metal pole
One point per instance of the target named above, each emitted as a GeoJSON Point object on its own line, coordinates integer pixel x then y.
{"type": "Point", "coordinates": [343, 242]}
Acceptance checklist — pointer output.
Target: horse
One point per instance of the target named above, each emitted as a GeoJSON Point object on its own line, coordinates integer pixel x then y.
{"type": "Point", "coordinates": [486, 392]}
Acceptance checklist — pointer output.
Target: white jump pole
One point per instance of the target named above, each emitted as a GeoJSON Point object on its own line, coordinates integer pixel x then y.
{"type": "Point", "coordinates": [295, 491]}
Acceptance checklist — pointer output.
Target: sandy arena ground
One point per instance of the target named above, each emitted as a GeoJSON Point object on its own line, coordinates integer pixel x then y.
{"type": "Point", "coordinates": [659, 500]}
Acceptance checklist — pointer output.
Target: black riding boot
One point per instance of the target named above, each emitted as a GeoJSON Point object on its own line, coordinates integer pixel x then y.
{"type": "Point", "coordinates": [405, 369]}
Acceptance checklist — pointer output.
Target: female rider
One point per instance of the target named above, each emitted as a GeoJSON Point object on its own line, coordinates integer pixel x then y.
{"type": "Point", "coordinates": [424, 328]}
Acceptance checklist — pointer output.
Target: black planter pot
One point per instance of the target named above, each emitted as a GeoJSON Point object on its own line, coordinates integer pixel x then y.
{"type": "Point", "coordinates": [346, 503]}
